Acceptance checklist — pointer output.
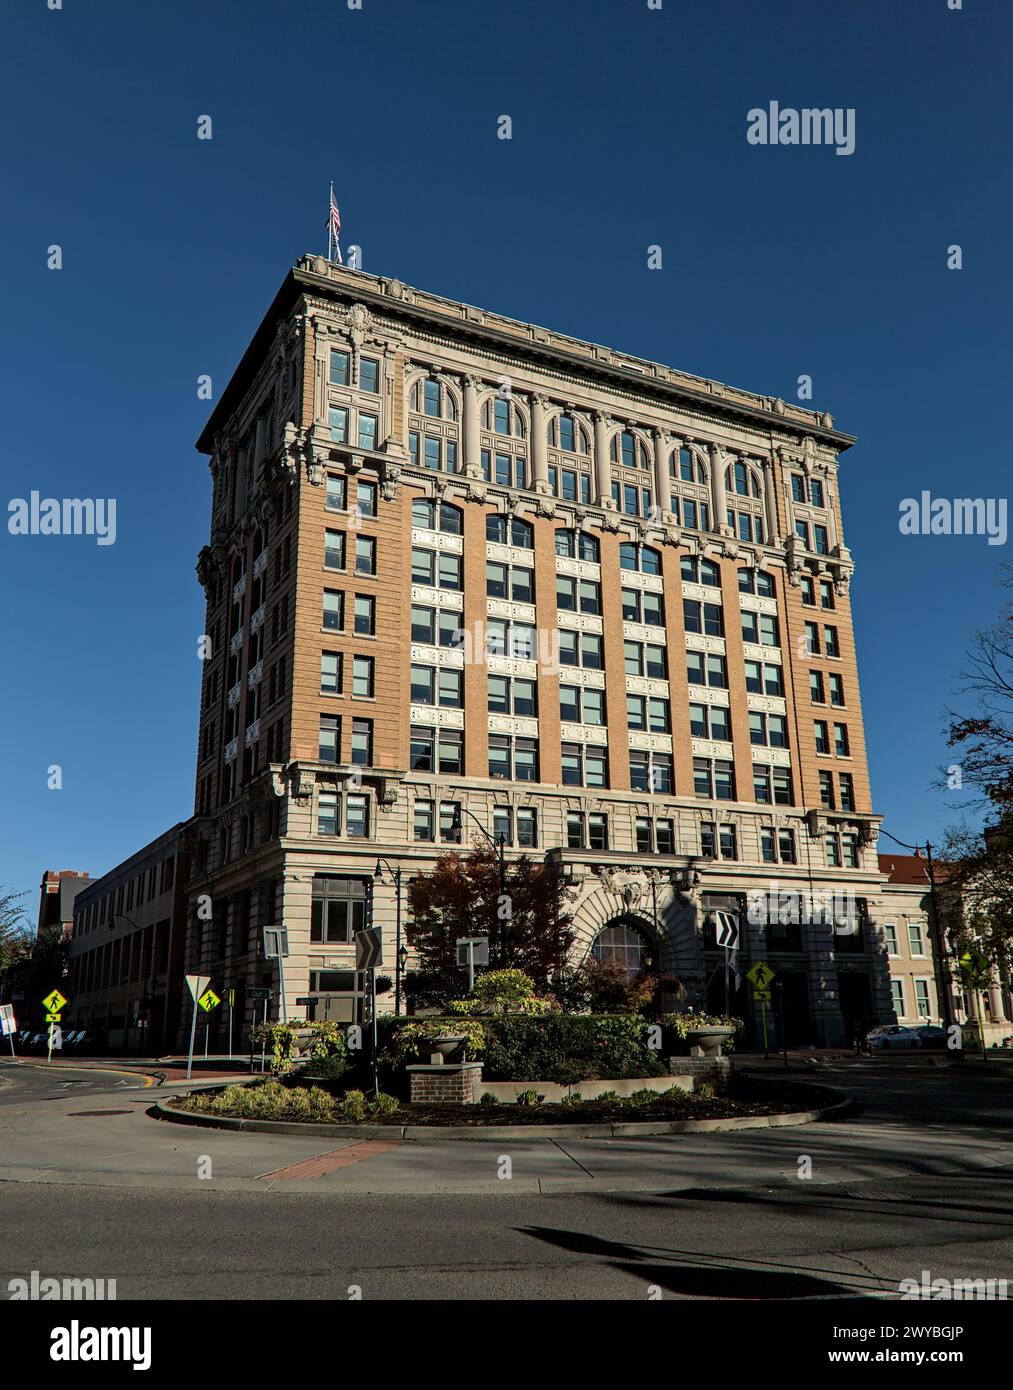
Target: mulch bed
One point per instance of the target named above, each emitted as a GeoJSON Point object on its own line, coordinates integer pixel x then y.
{"type": "Point", "coordinates": [745, 1097]}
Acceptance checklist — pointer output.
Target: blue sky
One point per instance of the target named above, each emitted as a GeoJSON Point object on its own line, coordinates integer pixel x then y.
{"type": "Point", "coordinates": [628, 130]}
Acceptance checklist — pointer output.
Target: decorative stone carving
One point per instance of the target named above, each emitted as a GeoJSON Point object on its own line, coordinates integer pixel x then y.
{"type": "Point", "coordinates": [389, 479]}
{"type": "Point", "coordinates": [387, 792]}
{"type": "Point", "coordinates": [477, 491]}
{"type": "Point", "coordinates": [546, 505]}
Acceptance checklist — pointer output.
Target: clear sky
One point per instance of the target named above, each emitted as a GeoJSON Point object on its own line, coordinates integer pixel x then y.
{"type": "Point", "coordinates": [629, 129]}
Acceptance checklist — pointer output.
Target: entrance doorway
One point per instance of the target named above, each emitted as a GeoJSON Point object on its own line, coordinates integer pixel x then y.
{"type": "Point", "coordinates": [855, 990]}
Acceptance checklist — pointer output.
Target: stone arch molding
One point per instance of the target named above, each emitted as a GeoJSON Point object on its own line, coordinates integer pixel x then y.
{"type": "Point", "coordinates": [613, 893]}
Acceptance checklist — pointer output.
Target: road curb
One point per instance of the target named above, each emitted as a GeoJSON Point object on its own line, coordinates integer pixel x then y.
{"type": "Point", "coordinates": [610, 1130]}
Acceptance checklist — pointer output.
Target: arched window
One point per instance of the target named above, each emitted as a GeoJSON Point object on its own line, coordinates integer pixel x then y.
{"type": "Point", "coordinates": [757, 582]}
{"type": "Point", "coordinates": [742, 480]}
{"type": "Point", "coordinates": [431, 516]}
{"type": "Point", "coordinates": [568, 434]}
{"type": "Point", "coordinates": [629, 451]}
{"type": "Point", "coordinates": [431, 397]}
{"type": "Point", "coordinates": [577, 545]}
{"type": "Point", "coordinates": [501, 415]}
{"type": "Point", "coordinates": [643, 558]}
{"type": "Point", "coordinates": [690, 493]}
{"type": "Point", "coordinates": [624, 944]}
{"type": "Point", "coordinates": [510, 530]}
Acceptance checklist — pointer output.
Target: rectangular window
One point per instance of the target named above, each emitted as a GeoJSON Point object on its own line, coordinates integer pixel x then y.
{"type": "Point", "coordinates": [841, 745]}
{"type": "Point", "coordinates": [367, 431]}
{"type": "Point", "coordinates": [847, 786]}
{"type": "Point", "coordinates": [808, 591]}
{"type": "Point", "coordinates": [334, 609]}
{"type": "Point", "coordinates": [369, 375]}
{"type": "Point", "coordinates": [822, 736]}
{"type": "Point", "coordinates": [330, 673]}
{"type": "Point", "coordinates": [357, 817]}
{"type": "Point", "coordinates": [451, 688]}
{"type": "Point", "coordinates": [816, 691]}
{"type": "Point", "coordinates": [330, 738]}
{"type": "Point", "coordinates": [362, 742]}
{"type": "Point", "coordinates": [727, 842]}
{"type": "Point", "coordinates": [365, 499]}
{"type": "Point", "coordinates": [914, 939]}
{"type": "Point", "coordinates": [644, 835]}
{"type": "Point", "coordinates": [708, 840]}
{"type": "Point", "coordinates": [798, 488]}
{"type": "Point", "coordinates": [451, 827]}
{"type": "Point", "coordinates": [365, 615]}
{"type": "Point", "coordinates": [826, 593]}
{"type": "Point", "coordinates": [768, 850]}
{"type": "Point", "coordinates": [897, 991]}
{"type": "Point", "coordinates": [336, 493]}
{"type": "Point", "coordinates": [836, 683]}
{"type": "Point", "coordinates": [833, 852]}
{"type": "Point", "coordinates": [664, 836]}
{"type": "Point", "coordinates": [365, 555]}
{"type": "Point", "coordinates": [502, 825]}
{"type": "Point", "coordinates": [338, 909]}
{"type": "Point", "coordinates": [812, 639]}
{"type": "Point", "coordinates": [334, 550]}
{"type": "Point", "coordinates": [327, 813]}
{"type": "Point", "coordinates": [337, 419]}
{"type": "Point", "coordinates": [922, 1004]}
{"type": "Point", "coordinates": [597, 831]}
{"type": "Point", "coordinates": [340, 364]}
{"type": "Point", "coordinates": [821, 542]}
{"type": "Point", "coordinates": [527, 828]}
{"type": "Point", "coordinates": [362, 677]}
{"type": "Point", "coordinates": [830, 641]}
{"type": "Point", "coordinates": [827, 791]}
{"type": "Point", "coordinates": [424, 821]}
{"type": "Point", "coordinates": [890, 938]}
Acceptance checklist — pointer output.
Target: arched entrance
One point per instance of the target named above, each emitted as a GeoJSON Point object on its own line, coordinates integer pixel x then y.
{"type": "Point", "coordinates": [627, 943]}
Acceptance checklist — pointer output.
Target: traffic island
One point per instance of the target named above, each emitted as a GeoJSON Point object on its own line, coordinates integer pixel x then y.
{"type": "Point", "coordinates": [754, 1105]}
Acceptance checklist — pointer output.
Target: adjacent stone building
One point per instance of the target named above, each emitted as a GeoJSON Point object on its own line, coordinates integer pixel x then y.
{"type": "Point", "coordinates": [462, 563]}
{"type": "Point", "coordinates": [127, 948]}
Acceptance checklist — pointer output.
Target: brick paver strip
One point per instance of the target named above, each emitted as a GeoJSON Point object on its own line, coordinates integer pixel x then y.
{"type": "Point", "coordinates": [334, 1158]}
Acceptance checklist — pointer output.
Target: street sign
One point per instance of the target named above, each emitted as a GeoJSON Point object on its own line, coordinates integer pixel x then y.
{"type": "Point", "coordinates": [259, 992]}
{"type": "Point", "coordinates": [726, 929]}
{"type": "Point", "coordinates": [308, 999]}
{"type": "Point", "coordinates": [209, 1000]}
{"type": "Point", "coordinates": [54, 1001]}
{"type": "Point", "coordinates": [197, 984]}
{"type": "Point", "coordinates": [760, 975]}
{"type": "Point", "coordinates": [52, 1018]}
{"type": "Point", "coordinates": [8, 1024]}
{"type": "Point", "coordinates": [368, 953]}
{"type": "Point", "coordinates": [975, 966]}
{"type": "Point", "coordinates": [761, 996]}
{"type": "Point", "coordinates": [275, 942]}
{"type": "Point", "coordinates": [478, 954]}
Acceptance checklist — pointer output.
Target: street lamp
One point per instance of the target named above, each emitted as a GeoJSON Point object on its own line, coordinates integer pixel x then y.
{"type": "Point", "coordinates": [400, 951]}
{"type": "Point", "coordinates": [942, 981]}
{"type": "Point", "coordinates": [497, 844]}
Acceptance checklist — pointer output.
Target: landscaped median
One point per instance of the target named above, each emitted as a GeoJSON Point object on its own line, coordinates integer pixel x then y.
{"type": "Point", "coordinates": [270, 1106]}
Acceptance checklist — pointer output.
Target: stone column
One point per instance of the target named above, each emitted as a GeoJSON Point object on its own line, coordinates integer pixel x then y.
{"type": "Point", "coordinates": [834, 538]}
{"type": "Point", "coordinates": [662, 482]}
{"type": "Point", "coordinates": [995, 1004]}
{"type": "Point", "coordinates": [602, 464]}
{"type": "Point", "coordinates": [770, 496]}
{"type": "Point", "coordinates": [719, 506]}
{"type": "Point", "coordinates": [260, 443]}
{"type": "Point", "coordinates": [472, 422]}
{"type": "Point", "coordinates": [539, 444]}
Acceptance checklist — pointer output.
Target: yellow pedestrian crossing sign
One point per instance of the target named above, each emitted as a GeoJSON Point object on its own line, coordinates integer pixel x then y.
{"type": "Point", "coordinates": [54, 1001]}
{"type": "Point", "coordinates": [209, 1000]}
{"type": "Point", "coordinates": [974, 966]}
{"type": "Point", "coordinates": [760, 976]}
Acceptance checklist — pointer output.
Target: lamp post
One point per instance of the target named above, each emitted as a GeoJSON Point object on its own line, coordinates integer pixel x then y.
{"type": "Point", "coordinates": [942, 972]}
{"type": "Point", "coordinates": [497, 844]}
{"type": "Point", "coordinates": [401, 954]}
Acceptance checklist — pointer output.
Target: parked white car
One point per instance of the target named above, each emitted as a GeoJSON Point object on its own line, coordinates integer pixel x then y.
{"type": "Point", "coordinates": [892, 1035]}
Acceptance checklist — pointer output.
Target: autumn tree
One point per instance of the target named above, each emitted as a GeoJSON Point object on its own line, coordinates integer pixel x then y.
{"type": "Point", "coordinates": [527, 923]}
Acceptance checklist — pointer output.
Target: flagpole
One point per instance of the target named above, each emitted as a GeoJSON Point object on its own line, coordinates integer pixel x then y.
{"type": "Point", "coordinates": [330, 224]}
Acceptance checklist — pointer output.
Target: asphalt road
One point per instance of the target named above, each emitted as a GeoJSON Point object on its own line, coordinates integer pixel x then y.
{"type": "Point", "coordinates": [929, 1187]}
{"type": "Point", "coordinates": [759, 1244]}
{"type": "Point", "coordinates": [29, 1082]}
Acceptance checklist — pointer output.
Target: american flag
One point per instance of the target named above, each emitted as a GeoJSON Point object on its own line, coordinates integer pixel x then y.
{"type": "Point", "coordinates": [334, 227]}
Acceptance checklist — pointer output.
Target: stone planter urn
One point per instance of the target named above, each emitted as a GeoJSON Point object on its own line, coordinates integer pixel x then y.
{"type": "Point", "coordinates": [447, 1047]}
{"type": "Point", "coordinates": [710, 1040]}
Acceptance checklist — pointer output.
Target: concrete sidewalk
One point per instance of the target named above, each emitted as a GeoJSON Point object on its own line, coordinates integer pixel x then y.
{"type": "Point", "coordinates": [121, 1146]}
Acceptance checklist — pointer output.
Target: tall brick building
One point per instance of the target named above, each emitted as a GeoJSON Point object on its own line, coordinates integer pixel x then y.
{"type": "Point", "coordinates": [656, 682]}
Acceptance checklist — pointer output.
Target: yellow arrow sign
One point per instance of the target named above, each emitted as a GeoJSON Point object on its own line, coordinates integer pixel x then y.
{"type": "Point", "coordinates": [761, 996]}
{"type": "Point", "coordinates": [54, 1001]}
{"type": "Point", "coordinates": [52, 1018]}
{"type": "Point", "coordinates": [760, 975]}
{"type": "Point", "coordinates": [209, 1000]}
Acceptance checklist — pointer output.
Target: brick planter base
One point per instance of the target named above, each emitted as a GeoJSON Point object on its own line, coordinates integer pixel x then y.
{"type": "Point", "coordinates": [454, 1083]}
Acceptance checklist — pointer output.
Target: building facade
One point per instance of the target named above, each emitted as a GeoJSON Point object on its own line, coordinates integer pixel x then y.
{"type": "Point", "coordinates": [459, 563]}
{"type": "Point", "coordinates": [57, 893]}
{"type": "Point", "coordinates": [127, 948]}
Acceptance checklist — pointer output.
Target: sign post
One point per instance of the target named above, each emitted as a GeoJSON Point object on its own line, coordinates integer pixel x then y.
{"type": "Point", "coordinates": [8, 1025]}
{"type": "Point", "coordinates": [472, 951]}
{"type": "Point", "coordinates": [975, 968]}
{"type": "Point", "coordinates": [761, 977]}
{"type": "Point", "coordinates": [208, 1001]}
{"type": "Point", "coordinates": [232, 1001]}
{"type": "Point", "coordinates": [54, 1003]}
{"type": "Point", "coordinates": [196, 984]}
{"type": "Point", "coordinates": [276, 948]}
{"type": "Point", "coordinates": [367, 957]}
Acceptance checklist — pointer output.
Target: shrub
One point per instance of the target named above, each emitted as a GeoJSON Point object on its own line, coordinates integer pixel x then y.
{"type": "Point", "coordinates": [574, 1098]}
{"type": "Point", "coordinates": [685, 1023]}
{"type": "Point", "coordinates": [529, 1098]}
{"type": "Point", "coordinates": [487, 1098]}
{"type": "Point", "coordinates": [384, 1105]}
{"type": "Point", "coordinates": [569, 1048]}
{"type": "Point", "coordinates": [643, 1096]}
{"type": "Point", "coordinates": [676, 1093]}
{"type": "Point", "coordinates": [410, 1041]}
{"type": "Point", "coordinates": [705, 1091]}
{"type": "Point", "coordinates": [320, 1040]}
{"type": "Point", "coordinates": [608, 1095]}
{"type": "Point", "coordinates": [352, 1107]}
{"type": "Point", "coordinates": [329, 1068]}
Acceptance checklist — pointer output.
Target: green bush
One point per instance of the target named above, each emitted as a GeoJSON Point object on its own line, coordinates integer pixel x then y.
{"type": "Point", "coordinates": [574, 1098]}
{"type": "Point", "coordinates": [410, 1042]}
{"type": "Point", "coordinates": [568, 1048]}
{"type": "Point", "coordinates": [644, 1096]}
{"type": "Point", "coordinates": [384, 1105]}
{"type": "Point", "coordinates": [487, 1098]}
{"type": "Point", "coordinates": [352, 1107]}
{"type": "Point", "coordinates": [529, 1098]}
{"type": "Point", "coordinates": [319, 1040]}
